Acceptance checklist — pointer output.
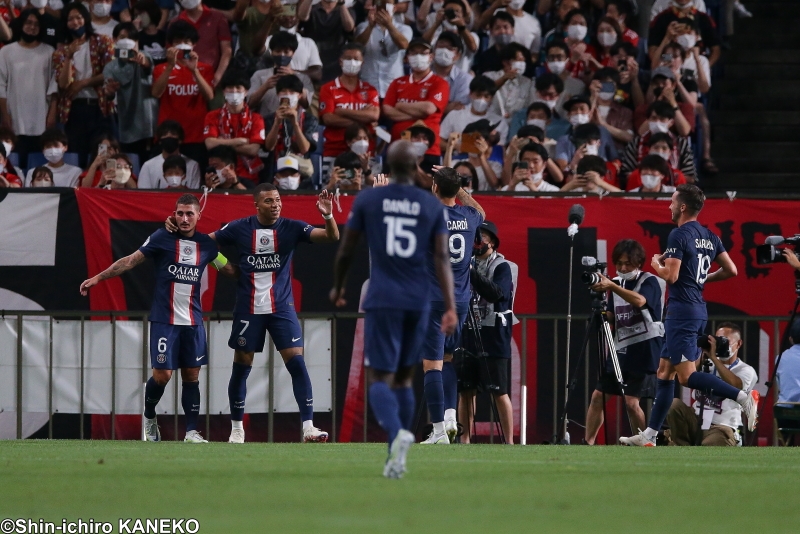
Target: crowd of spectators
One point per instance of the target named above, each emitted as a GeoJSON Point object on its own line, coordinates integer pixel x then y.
{"type": "Point", "coordinates": [517, 95]}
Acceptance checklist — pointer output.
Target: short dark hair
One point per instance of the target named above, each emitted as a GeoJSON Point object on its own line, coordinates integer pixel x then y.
{"type": "Point", "coordinates": [347, 160]}
{"type": "Point", "coordinates": [170, 127]}
{"type": "Point", "coordinates": [187, 199]}
{"type": "Point", "coordinates": [730, 326]}
{"type": "Point", "coordinates": [509, 53]}
{"type": "Point", "coordinates": [592, 163]}
{"type": "Point", "coordinates": [540, 106]}
{"type": "Point", "coordinates": [692, 196]}
{"type": "Point", "coordinates": [262, 188]}
{"type": "Point", "coordinates": [557, 44]}
{"type": "Point", "coordinates": [501, 15]}
{"type": "Point", "coordinates": [226, 154]}
{"type": "Point", "coordinates": [283, 41]}
{"type": "Point", "coordinates": [661, 109]}
{"type": "Point", "coordinates": [547, 80]}
{"type": "Point", "coordinates": [234, 78]}
{"type": "Point", "coordinates": [623, 6]}
{"type": "Point", "coordinates": [125, 27]}
{"type": "Point", "coordinates": [452, 38]}
{"type": "Point", "coordinates": [54, 135]}
{"type": "Point", "coordinates": [459, 2]}
{"type": "Point", "coordinates": [572, 13]}
{"type": "Point", "coordinates": [535, 147]}
{"type": "Point", "coordinates": [151, 8]}
{"type": "Point", "coordinates": [448, 182]}
{"type": "Point", "coordinates": [632, 248]}
{"type": "Point", "coordinates": [42, 169]}
{"type": "Point", "coordinates": [607, 73]}
{"type": "Point", "coordinates": [349, 46]}
{"type": "Point", "coordinates": [351, 132]}
{"type": "Point", "coordinates": [656, 163]}
{"type": "Point", "coordinates": [290, 82]}
{"type": "Point", "coordinates": [481, 126]}
{"type": "Point", "coordinates": [629, 49]}
{"type": "Point", "coordinates": [181, 30]}
{"type": "Point", "coordinates": [482, 84]}
{"type": "Point", "coordinates": [174, 162]}
{"type": "Point", "coordinates": [8, 133]}
{"type": "Point", "coordinates": [529, 130]}
{"type": "Point", "coordinates": [658, 137]}
{"type": "Point", "coordinates": [87, 20]}
{"type": "Point", "coordinates": [586, 132]}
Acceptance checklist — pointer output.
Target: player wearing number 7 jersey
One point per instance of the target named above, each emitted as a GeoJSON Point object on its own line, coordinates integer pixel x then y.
{"type": "Point", "coordinates": [686, 267]}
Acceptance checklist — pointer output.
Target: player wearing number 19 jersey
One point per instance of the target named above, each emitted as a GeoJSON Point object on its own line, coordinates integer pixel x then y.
{"type": "Point", "coordinates": [441, 382]}
{"type": "Point", "coordinates": [686, 267]}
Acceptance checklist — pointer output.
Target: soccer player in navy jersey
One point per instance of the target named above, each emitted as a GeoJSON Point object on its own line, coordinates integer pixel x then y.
{"type": "Point", "coordinates": [403, 225]}
{"type": "Point", "coordinates": [177, 334]}
{"type": "Point", "coordinates": [441, 382]}
{"type": "Point", "coordinates": [686, 267]}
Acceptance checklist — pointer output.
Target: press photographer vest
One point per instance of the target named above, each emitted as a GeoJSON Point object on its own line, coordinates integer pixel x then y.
{"type": "Point", "coordinates": [634, 325]}
{"type": "Point", "coordinates": [487, 309]}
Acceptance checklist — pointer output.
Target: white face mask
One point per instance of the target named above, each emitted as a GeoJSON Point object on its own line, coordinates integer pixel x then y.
{"type": "Point", "coordinates": [731, 353]}
{"type": "Point", "coordinates": [444, 57]}
{"type": "Point", "coordinates": [578, 119]}
{"type": "Point", "coordinates": [658, 126]}
{"type": "Point", "coordinates": [650, 181]}
{"type": "Point", "coordinates": [42, 183]}
{"type": "Point", "coordinates": [39, 4]}
{"type": "Point", "coordinates": [536, 177]}
{"type": "Point", "coordinates": [518, 66]}
{"type": "Point", "coordinates": [352, 66]}
{"type": "Point", "coordinates": [173, 180]}
{"type": "Point", "coordinates": [592, 150]}
{"type": "Point", "coordinates": [576, 31]}
{"type": "Point", "coordinates": [516, 4]}
{"type": "Point", "coordinates": [603, 110]}
{"type": "Point", "coordinates": [629, 276]}
{"type": "Point", "coordinates": [360, 147]}
{"type": "Point", "coordinates": [53, 155]}
{"type": "Point", "coordinates": [125, 44]}
{"type": "Point", "coordinates": [122, 176]}
{"type": "Point", "coordinates": [234, 98]}
{"type": "Point", "coordinates": [687, 41]}
{"type": "Point", "coordinates": [292, 97]}
{"type": "Point", "coordinates": [664, 155]}
{"type": "Point", "coordinates": [190, 4]}
{"type": "Point", "coordinates": [607, 38]}
{"type": "Point", "coordinates": [556, 67]}
{"type": "Point", "coordinates": [605, 96]}
{"type": "Point", "coordinates": [419, 148]}
{"type": "Point", "coordinates": [549, 103]}
{"type": "Point", "coordinates": [419, 62]}
{"type": "Point", "coordinates": [389, 9]}
{"type": "Point", "coordinates": [8, 148]}
{"type": "Point", "coordinates": [541, 123]}
{"type": "Point", "coordinates": [480, 105]}
{"type": "Point", "coordinates": [101, 9]}
{"type": "Point", "coordinates": [288, 182]}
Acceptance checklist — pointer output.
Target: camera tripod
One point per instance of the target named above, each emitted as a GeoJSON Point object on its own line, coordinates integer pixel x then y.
{"type": "Point", "coordinates": [599, 326]}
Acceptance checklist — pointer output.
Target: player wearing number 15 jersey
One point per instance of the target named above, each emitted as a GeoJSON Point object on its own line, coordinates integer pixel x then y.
{"type": "Point", "coordinates": [686, 267]}
{"type": "Point", "coordinates": [403, 225]}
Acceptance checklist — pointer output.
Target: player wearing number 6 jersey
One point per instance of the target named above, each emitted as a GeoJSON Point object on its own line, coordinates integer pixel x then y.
{"type": "Point", "coordinates": [686, 267]}
{"type": "Point", "coordinates": [177, 335]}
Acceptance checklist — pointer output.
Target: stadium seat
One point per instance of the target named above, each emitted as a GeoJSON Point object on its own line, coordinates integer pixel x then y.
{"type": "Point", "coordinates": [72, 158]}
{"type": "Point", "coordinates": [13, 158]}
{"type": "Point", "coordinates": [787, 420]}
{"type": "Point", "coordinates": [35, 159]}
{"type": "Point", "coordinates": [135, 166]}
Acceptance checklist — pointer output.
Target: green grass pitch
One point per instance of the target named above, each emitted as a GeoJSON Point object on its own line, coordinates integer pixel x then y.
{"type": "Point", "coordinates": [339, 488]}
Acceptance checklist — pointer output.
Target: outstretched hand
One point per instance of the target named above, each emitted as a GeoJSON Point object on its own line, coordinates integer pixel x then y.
{"type": "Point", "coordinates": [325, 202]}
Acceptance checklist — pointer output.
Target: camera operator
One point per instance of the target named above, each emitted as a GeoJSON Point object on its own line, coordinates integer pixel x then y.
{"type": "Point", "coordinates": [721, 417]}
{"type": "Point", "coordinates": [636, 304]}
{"type": "Point", "coordinates": [788, 374]}
{"type": "Point", "coordinates": [493, 278]}
{"type": "Point", "coordinates": [791, 259]}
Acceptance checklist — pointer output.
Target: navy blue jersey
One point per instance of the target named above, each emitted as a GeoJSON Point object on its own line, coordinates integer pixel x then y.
{"type": "Point", "coordinates": [462, 223]}
{"type": "Point", "coordinates": [696, 247]}
{"type": "Point", "coordinates": [402, 224]}
{"type": "Point", "coordinates": [265, 256]}
{"type": "Point", "coordinates": [180, 262]}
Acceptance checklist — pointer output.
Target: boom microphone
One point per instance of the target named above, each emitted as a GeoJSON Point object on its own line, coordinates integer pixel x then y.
{"type": "Point", "coordinates": [774, 240]}
{"type": "Point", "coordinates": [575, 217]}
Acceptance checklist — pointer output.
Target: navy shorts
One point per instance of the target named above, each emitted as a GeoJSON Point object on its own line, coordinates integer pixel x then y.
{"type": "Point", "coordinates": [393, 338]}
{"type": "Point", "coordinates": [249, 331]}
{"type": "Point", "coordinates": [177, 346]}
{"type": "Point", "coordinates": [436, 343]}
{"type": "Point", "coordinates": [680, 340]}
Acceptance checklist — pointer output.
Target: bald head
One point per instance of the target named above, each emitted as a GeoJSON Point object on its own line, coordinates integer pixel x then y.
{"type": "Point", "coordinates": [402, 162]}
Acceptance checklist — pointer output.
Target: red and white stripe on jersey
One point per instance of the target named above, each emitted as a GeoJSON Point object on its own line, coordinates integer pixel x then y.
{"type": "Point", "coordinates": [186, 253]}
{"type": "Point", "coordinates": [262, 295]}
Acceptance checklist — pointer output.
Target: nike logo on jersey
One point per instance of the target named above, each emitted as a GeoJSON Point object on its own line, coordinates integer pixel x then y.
{"type": "Point", "coordinates": [201, 357]}
{"type": "Point", "coordinates": [337, 96]}
{"type": "Point", "coordinates": [295, 339]}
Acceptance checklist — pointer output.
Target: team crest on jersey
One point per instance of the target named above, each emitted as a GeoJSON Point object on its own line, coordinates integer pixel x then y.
{"type": "Point", "coordinates": [363, 95]}
{"type": "Point", "coordinates": [321, 106]}
{"type": "Point", "coordinates": [161, 358]}
{"type": "Point", "coordinates": [423, 93]}
{"type": "Point", "coordinates": [437, 96]}
{"type": "Point", "coordinates": [241, 341]}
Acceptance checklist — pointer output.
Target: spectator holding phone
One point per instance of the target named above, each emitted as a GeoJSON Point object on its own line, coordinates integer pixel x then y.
{"type": "Point", "coordinates": [447, 52]}
{"type": "Point", "coordinates": [54, 146]}
{"type": "Point", "coordinates": [347, 173]}
{"type": "Point", "coordinates": [606, 112]}
{"type": "Point", "coordinates": [105, 149]}
{"type": "Point", "coordinates": [221, 170]}
{"type": "Point", "coordinates": [169, 136]}
{"type": "Point", "coordinates": [514, 89]}
{"type": "Point", "coordinates": [584, 138]}
{"type": "Point", "coordinates": [528, 174]}
{"type": "Point", "coordinates": [152, 39]}
{"type": "Point", "coordinates": [661, 145]}
{"type": "Point", "coordinates": [213, 46]}
{"type": "Point", "coordinates": [330, 23]}
{"type": "Point", "coordinates": [290, 129]}
{"type": "Point", "coordinates": [592, 177]}
{"type": "Point", "coordinates": [621, 11]}
{"type": "Point", "coordinates": [666, 28]}
{"type": "Point", "coordinates": [476, 142]}
{"type": "Point", "coordinates": [481, 92]}
{"type": "Point", "coordinates": [8, 176]}
{"type": "Point", "coordinates": [453, 17]}
{"type": "Point", "coordinates": [526, 135]}
{"type": "Point", "coordinates": [118, 173]}
{"type": "Point", "coordinates": [629, 90]}
{"type": "Point", "coordinates": [384, 42]}
{"type": "Point", "coordinates": [262, 95]}
{"type": "Point", "coordinates": [306, 58]}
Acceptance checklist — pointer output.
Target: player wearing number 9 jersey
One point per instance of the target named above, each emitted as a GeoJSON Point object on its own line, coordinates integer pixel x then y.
{"type": "Point", "coordinates": [686, 267]}
{"type": "Point", "coordinates": [403, 225]}
{"type": "Point", "coordinates": [441, 382]}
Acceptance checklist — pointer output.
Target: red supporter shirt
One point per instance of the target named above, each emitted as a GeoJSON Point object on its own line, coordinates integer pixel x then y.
{"type": "Point", "coordinates": [334, 95]}
{"type": "Point", "coordinates": [182, 100]}
{"type": "Point", "coordinates": [256, 135]}
{"type": "Point", "coordinates": [635, 179]}
{"type": "Point", "coordinates": [431, 88]}
{"type": "Point", "coordinates": [630, 36]}
{"type": "Point", "coordinates": [213, 29]}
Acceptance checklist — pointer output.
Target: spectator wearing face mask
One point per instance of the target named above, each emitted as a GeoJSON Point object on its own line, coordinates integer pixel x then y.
{"type": "Point", "coordinates": [8, 176]}
{"type": "Point", "coordinates": [592, 176]}
{"type": "Point", "coordinates": [384, 43]}
{"type": "Point", "coordinates": [629, 90]}
{"type": "Point", "coordinates": [27, 101]}
{"type": "Point", "coordinates": [620, 10]}
{"type": "Point", "coordinates": [237, 126]}
{"type": "Point", "coordinates": [543, 112]}
{"type": "Point", "coordinates": [42, 177]}
{"type": "Point", "coordinates": [514, 90]}
{"type": "Point", "coordinates": [213, 46]}
{"type": "Point", "coordinates": [9, 142]}
{"type": "Point", "coordinates": [659, 6]}
{"type": "Point", "coordinates": [356, 137]}
{"type": "Point", "coordinates": [330, 23]}
{"type": "Point", "coordinates": [660, 119]}
{"type": "Point", "coordinates": [608, 113]}
{"type": "Point", "coordinates": [287, 174]}
{"type": "Point", "coordinates": [607, 35]}
{"type": "Point", "coordinates": [527, 30]}
{"type": "Point", "coordinates": [221, 171]}
{"type": "Point", "coordinates": [554, 18]}
{"type": "Point", "coordinates": [262, 95]}
{"type": "Point", "coordinates": [531, 175]}
{"type": "Point", "coordinates": [422, 138]}
{"type": "Point", "coordinates": [501, 31]}
{"type": "Point", "coordinates": [584, 138]}
{"type": "Point", "coordinates": [558, 64]}
{"type": "Point", "coordinates": [661, 145]}
{"type": "Point", "coordinates": [453, 17]}
{"type": "Point", "coordinates": [481, 92]}
{"type": "Point", "coordinates": [488, 171]}
{"type": "Point", "coordinates": [102, 23]}
{"type": "Point", "coordinates": [345, 102]}
{"type": "Point", "coordinates": [421, 96]}
{"type": "Point", "coordinates": [105, 148]}
{"type": "Point", "coordinates": [152, 39]}
{"type": "Point", "coordinates": [526, 135]}
{"type": "Point", "coordinates": [446, 54]}
{"type": "Point", "coordinates": [173, 172]}
{"type": "Point", "coordinates": [665, 28]}
{"type": "Point", "coordinates": [347, 173]}
{"type": "Point", "coordinates": [305, 58]}
{"type": "Point", "coordinates": [577, 40]}
{"type": "Point", "coordinates": [290, 129]}
{"type": "Point", "coordinates": [426, 15]}
{"type": "Point", "coordinates": [121, 177]}
{"type": "Point", "coordinates": [50, 25]}
{"type": "Point", "coordinates": [654, 175]}
{"type": "Point", "coordinates": [54, 146]}
{"type": "Point", "coordinates": [663, 88]}
{"type": "Point", "coordinates": [169, 136]}
{"type": "Point", "coordinates": [129, 80]}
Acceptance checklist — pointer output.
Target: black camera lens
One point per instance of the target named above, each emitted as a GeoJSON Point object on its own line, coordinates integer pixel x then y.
{"type": "Point", "coordinates": [590, 279]}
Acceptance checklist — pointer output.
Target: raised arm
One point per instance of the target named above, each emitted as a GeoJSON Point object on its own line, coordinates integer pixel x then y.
{"type": "Point", "coordinates": [117, 268]}
{"type": "Point", "coordinates": [468, 200]}
{"type": "Point", "coordinates": [330, 233]}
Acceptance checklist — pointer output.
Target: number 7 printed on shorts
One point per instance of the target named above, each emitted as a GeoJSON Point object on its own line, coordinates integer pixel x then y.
{"type": "Point", "coordinates": [246, 324]}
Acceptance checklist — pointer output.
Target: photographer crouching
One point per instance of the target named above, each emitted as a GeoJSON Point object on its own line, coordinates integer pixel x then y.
{"type": "Point", "coordinates": [721, 417]}
{"type": "Point", "coordinates": [637, 304]}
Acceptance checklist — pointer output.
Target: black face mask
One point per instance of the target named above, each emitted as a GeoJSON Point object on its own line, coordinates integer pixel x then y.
{"type": "Point", "coordinates": [170, 144]}
{"type": "Point", "coordinates": [28, 38]}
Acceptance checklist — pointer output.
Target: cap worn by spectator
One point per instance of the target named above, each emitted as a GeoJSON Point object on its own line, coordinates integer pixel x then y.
{"type": "Point", "coordinates": [417, 41]}
{"type": "Point", "coordinates": [576, 100]}
{"type": "Point", "coordinates": [489, 226]}
{"type": "Point", "coordinates": [663, 71]}
{"type": "Point", "coordinates": [287, 162]}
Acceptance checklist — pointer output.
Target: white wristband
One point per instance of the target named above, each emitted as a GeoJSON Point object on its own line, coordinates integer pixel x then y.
{"type": "Point", "coordinates": [328, 217]}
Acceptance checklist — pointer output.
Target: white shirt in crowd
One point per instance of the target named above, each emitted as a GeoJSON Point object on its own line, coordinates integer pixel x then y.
{"type": "Point", "coordinates": [380, 70]}
{"type": "Point", "coordinates": [106, 28]}
{"type": "Point", "coordinates": [458, 119]}
{"type": "Point", "coordinates": [306, 55]}
{"type": "Point", "coordinates": [26, 79]}
{"type": "Point", "coordinates": [465, 63]}
{"type": "Point", "coordinates": [514, 95]}
{"type": "Point", "coordinates": [663, 5]}
{"type": "Point", "coordinates": [82, 62]}
{"type": "Point", "coordinates": [690, 64]}
{"type": "Point", "coordinates": [151, 176]}
{"type": "Point", "coordinates": [269, 102]}
{"type": "Point", "coordinates": [64, 176]}
{"type": "Point", "coordinates": [544, 187]}
{"type": "Point", "coordinates": [728, 412]}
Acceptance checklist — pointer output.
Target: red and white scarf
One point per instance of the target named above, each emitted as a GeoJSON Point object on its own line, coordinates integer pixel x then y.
{"type": "Point", "coordinates": [226, 131]}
